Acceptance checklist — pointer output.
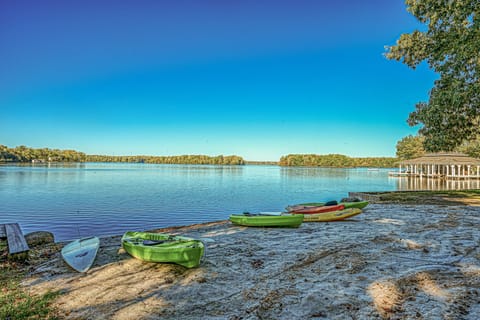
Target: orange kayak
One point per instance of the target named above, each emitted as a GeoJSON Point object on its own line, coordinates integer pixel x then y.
{"type": "Point", "coordinates": [317, 209]}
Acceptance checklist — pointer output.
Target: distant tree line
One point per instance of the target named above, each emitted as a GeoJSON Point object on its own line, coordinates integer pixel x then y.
{"type": "Point", "coordinates": [25, 154]}
{"type": "Point", "coordinates": [184, 159]}
{"type": "Point", "coordinates": [262, 163]}
{"type": "Point", "coordinates": [336, 161]}
{"type": "Point", "coordinates": [407, 148]}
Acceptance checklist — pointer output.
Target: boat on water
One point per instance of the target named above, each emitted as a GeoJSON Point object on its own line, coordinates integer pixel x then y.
{"type": "Point", "coordinates": [160, 247]}
{"type": "Point", "coordinates": [332, 216]}
{"type": "Point", "coordinates": [81, 253]}
{"type": "Point", "coordinates": [347, 205]}
{"type": "Point", "coordinates": [267, 220]}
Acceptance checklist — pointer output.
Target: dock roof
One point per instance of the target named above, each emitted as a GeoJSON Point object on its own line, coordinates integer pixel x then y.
{"type": "Point", "coordinates": [443, 159]}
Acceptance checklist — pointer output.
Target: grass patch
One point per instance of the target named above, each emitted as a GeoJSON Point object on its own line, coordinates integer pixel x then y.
{"type": "Point", "coordinates": [15, 300]}
{"type": "Point", "coordinates": [444, 197]}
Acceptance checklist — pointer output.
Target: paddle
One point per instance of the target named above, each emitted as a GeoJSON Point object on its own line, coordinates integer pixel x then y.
{"type": "Point", "coordinates": [154, 243]}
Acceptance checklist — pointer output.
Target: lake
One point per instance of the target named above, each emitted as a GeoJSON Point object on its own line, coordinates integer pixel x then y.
{"type": "Point", "coordinates": [83, 199]}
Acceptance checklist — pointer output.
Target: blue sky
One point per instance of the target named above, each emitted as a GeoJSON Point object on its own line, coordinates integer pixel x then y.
{"type": "Point", "coordinates": [259, 79]}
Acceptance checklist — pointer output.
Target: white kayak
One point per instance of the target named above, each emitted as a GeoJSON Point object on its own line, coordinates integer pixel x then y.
{"type": "Point", "coordinates": [81, 253]}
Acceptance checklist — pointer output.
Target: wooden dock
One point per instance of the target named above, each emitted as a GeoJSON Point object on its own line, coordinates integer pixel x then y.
{"type": "Point", "coordinates": [16, 240]}
{"type": "Point", "coordinates": [373, 198]}
{"type": "Point", "coordinates": [445, 166]}
{"type": "Point", "coordinates": [3, 234]}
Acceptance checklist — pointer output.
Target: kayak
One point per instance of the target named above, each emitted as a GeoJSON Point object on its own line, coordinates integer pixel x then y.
{"type": "Point", "coordinates": [262, 220]}
{"type": "Point", "coordinates": [332, 216]}
{"type": "Point", "coordinates": [347, 205]}
{"type": "Point", "coordinates": [317, 209]}
{"type": "Point", "coordinates": [81, 253]}
{"type": "Point", "coordinates": [160, 247]}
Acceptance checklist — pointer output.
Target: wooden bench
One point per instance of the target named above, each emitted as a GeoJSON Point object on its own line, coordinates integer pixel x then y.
{"type": "Point", "coordinates": [16, 240]}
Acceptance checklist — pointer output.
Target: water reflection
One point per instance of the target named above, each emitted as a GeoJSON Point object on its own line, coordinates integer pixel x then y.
{"type": "Point", "coordinates": [415, 184]}
{"type": "Point", "coordinates": [291, 172]}
{"type": "Point", "coordinates": [110, 198]}
{"type": "Point", "coordinates": [40, 165]}
{"type": "Point", "coordinates": [206, 170]}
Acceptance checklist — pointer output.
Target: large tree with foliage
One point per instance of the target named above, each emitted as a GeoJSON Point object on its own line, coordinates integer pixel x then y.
{"type": "Point", "coordinates": [451, 46]}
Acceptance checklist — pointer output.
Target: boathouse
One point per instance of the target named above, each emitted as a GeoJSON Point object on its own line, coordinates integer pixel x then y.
{"type": "Point", "coordinates": [440, 165]}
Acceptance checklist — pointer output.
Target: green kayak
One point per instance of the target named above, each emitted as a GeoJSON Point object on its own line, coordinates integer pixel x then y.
{"type": "Point", "coordinates": [263, 220]}
{"type": "Point", "coordinates": [159, 247]}
{"type": "Point", "coordinates": [347, 205]}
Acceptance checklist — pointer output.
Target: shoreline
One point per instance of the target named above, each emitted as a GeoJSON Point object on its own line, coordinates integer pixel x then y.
{"type": "Point", "coordinates": [393, 260]}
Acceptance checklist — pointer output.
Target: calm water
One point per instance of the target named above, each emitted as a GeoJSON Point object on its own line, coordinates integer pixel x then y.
{"type": "Point", "coordinates": [77, 200]}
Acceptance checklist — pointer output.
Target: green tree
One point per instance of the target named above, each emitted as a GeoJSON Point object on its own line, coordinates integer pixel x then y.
{"type": "Point", "coordinates": [334, 160]}
{"type": "Point", "coordinates": [472, 148]}
{"type": "Point", "coordinates": [451, 47]}
{"type": "Point", "coordinates": [410, 147]}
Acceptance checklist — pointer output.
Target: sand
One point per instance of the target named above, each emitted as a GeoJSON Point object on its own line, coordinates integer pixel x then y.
{"type": "Point", "coordinates": [390, 262]}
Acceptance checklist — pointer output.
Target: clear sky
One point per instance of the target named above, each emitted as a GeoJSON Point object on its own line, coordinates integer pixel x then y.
{"type": "Point", "coordinates": [258, 79]}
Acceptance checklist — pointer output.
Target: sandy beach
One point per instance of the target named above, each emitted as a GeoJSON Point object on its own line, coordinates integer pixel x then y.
{"type": "Point", "coordinates": [391, 262]}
